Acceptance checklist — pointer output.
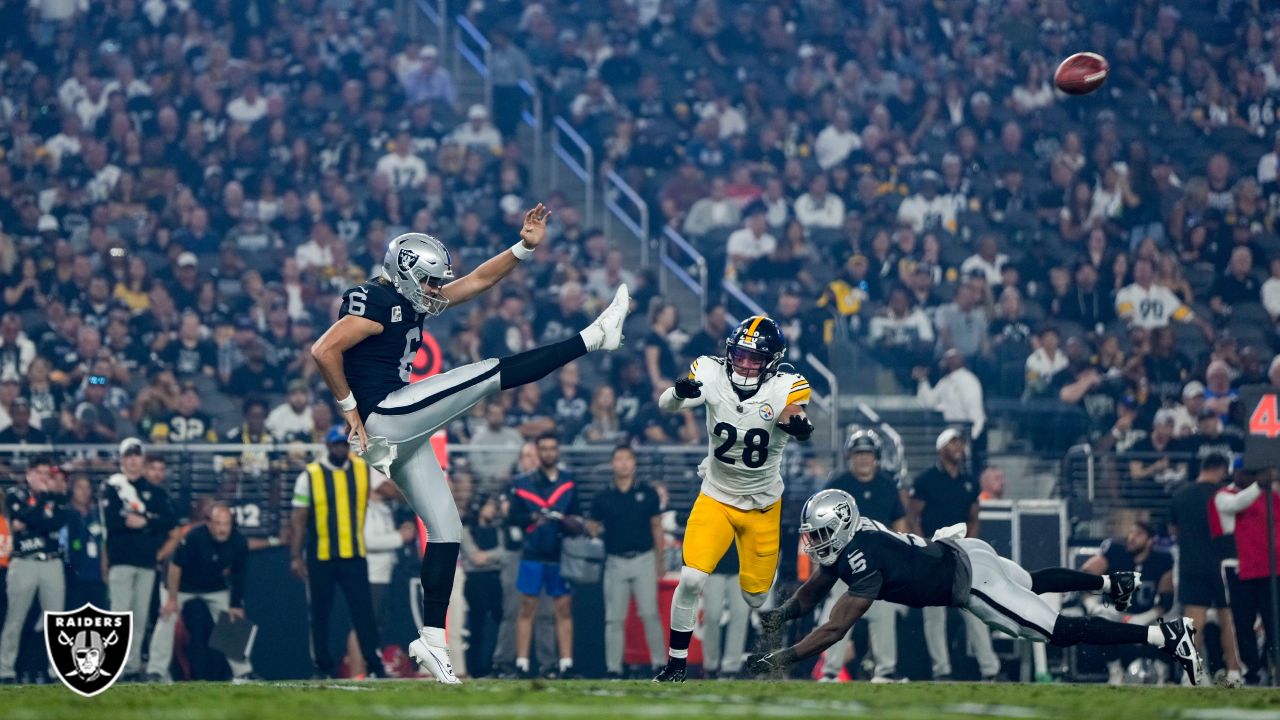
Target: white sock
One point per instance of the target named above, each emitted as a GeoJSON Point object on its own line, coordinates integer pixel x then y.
{"type": "Point", "coordinates": [433, 636]}
{"type": "Point", "coordinates": [522, 664]}
{"type": "Point", "coordinates": [678, 654]}
{"type": "Point", "coordinates": [1106, 584]}
{"type": "Point", "coordinates": [592, 337]}
{"type": "Point", "coordinates": [566, 664]}
{"type": "Point", "coordinates": [1155, 636]}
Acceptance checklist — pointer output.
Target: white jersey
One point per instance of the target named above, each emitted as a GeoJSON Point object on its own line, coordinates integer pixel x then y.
{"type": "Point", "coordinates": [1152, 307]}
{"type": "Point", "coordinates": [743, 444]}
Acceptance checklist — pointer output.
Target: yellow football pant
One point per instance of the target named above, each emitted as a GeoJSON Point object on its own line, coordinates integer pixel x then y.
{"type": "Point", "coordinates": [713, 525]}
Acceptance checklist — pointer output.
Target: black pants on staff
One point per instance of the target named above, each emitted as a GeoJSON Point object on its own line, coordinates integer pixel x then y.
{"type": "Point", "coordinates": [1249, 599]}
{"type": "Point", "coordinates": [352, 577]}
{"type": "Point", "coordinates": [483, 591]}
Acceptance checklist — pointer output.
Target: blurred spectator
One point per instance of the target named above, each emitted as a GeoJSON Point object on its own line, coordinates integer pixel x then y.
{"type": "Point", "coordinates": [528, 413]}
{"type": "Point", "coordinates": [1152, 458]}
{"type": "Point", "coordinates": [1211, 437]}
{"type": "Point", "coordinates": [187, 423]}
{"type": "Point", "coordinates": [16, 349]}
{"type": "Point", "coordinates": [86, 552]}
{"type": "Point", "coordinates": [1237, 286]}
{"type": "Point", "coordinates": [501, 444]}
{"type": "Point", "coordinates": [818, 208]}
{"type": "Point", "coordinates": [477, 133]}
{"type": "Point", "coordinates": [963, 324]}
{"type": "Point", "coordinates": [483, 557]}
{"type": "Point", "coordinates": [957, 395]}
{"type": "Point", "coordinates": [901, 336]}
{"type": "Point", "coordinates": [293, 416]}
{"type": "Point", "coordinates": [1044, 363]}
{"type": "Point", "coordinates": [20, 430]}
{"type": "Point", "coordinates": [1146, 305]}
{"type": "Point", "coordinates": [568, 403]}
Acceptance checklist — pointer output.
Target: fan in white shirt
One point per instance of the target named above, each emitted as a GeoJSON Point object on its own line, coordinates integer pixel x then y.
{"type": "Point", "coordinates": [750, 242]}
{"type": "Point", "coordinates": [819, 208]}
{"type": "Point", "coordinates": [836, 141]}
{"type": "Point", "coordinates": [1146, 305]}
{"type": "Point", "coordinates": [249, 106]}
{"type": "Point", "coordinates": [958, 395]}
{"type": "Point", "coordinates": [927, 210]}
{"type": "Point", "coordinates": [477, 132]}
{"type": "Point", "coordinates": [988, 260]}
{"type": "Point", "coordinates": [402, 167]}
{"type": "Point", "coordinates": [1046, 362]}
{"type": "Point", "coordinates": [1271, 291]}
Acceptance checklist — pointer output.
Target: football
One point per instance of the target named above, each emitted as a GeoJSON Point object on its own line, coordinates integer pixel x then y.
{"type": "Point", "coordinates": [1081, 73]}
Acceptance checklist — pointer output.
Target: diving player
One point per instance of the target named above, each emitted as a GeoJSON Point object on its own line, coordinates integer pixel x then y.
{"type": "Point", "coordinates": [753, 409]}
{"type": "Point", "coordinates": [880, 564]}
{"type": "Point", "coordinates": [365, 359]}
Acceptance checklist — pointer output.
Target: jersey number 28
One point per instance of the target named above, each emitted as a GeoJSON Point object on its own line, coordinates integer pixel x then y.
{"type": "Point", "coordinates": [755, 445]}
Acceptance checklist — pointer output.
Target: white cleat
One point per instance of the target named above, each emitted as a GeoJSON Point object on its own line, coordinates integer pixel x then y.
{"type": "Point", "coordinates": [435, 660]}
{"type": "Point", "coordinates": [608, 326]}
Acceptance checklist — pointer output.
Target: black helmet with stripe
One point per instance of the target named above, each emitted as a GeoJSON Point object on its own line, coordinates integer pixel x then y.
{"type": "Point", "coordinates": [753, 352]}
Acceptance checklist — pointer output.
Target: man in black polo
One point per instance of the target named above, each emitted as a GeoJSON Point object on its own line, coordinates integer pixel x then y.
{"type": "Point", "coordinates": [880, 499]}
{"type": "Point", "coordinates": [942, 496]}
{"type": "Point", "coordinates": [630, 519]}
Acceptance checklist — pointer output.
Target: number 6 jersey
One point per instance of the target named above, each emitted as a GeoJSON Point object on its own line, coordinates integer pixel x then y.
{"type": "Point", "coordinates": [744, 445]}
{"type": "Point", "coordinates": [379, 365]}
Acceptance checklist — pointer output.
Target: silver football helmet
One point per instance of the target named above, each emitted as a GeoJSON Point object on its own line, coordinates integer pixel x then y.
{"type": "Point", "coordinates": [827, 524]}
{"type": "Point", "coordinates": [413, 258]}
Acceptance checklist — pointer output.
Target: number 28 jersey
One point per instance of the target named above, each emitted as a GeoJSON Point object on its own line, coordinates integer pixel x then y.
{"type": "Point", "coordinates": [744, 445]}
{"type": "Point", "coordinates": [379, 365]}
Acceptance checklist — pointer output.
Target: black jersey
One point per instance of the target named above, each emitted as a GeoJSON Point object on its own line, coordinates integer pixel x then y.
{"type": "Point", "coordinates": [881, 564]}
{"type": "Point", "coordinates": [877, 498]}
{"type": "Point", "coordinates": [1153, 569]}
{"type": "Point", "coordinates": [379, 365]}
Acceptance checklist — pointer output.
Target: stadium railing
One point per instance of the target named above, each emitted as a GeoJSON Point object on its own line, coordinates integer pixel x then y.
{"type": "Point", "coordinates": [634, 216]}
{"type": "Point", "coordinates": [581, 166]}
{"type": "Point", "coordinates": [683, 262]}
{"type": "Point", "coordinates": [436, 13]}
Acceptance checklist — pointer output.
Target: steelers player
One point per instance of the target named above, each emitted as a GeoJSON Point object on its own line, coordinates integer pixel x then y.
{"type": "Point", "coordinates": [753, 409]}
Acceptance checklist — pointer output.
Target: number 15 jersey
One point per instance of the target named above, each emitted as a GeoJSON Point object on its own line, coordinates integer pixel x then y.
{"type": "Point", "coordinates": [379, 365]}
{"type": "Point", "coordinates": [743, 443]}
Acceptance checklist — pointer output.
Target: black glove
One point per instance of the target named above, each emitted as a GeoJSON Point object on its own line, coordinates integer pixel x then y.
{"type": "Point", "coordinates": [688, 388]}
{"type": "Point", "coordinates": [770, 662]}
{"type": "Point", "coordinates": [798, 427]}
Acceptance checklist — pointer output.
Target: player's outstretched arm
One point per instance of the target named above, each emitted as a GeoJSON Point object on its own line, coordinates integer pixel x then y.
{"type": "Point", "coordinates": [848, 609]}
{"type": "Point", "coordinates": [501, 265]}
{"type": "Point", "coordinates": [802, 601]}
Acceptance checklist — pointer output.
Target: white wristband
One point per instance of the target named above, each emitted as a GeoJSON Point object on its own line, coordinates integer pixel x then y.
{"type": "Point", "coordinates": [520, 251]}
{"type": "Point", "coordinates": [348, 403]}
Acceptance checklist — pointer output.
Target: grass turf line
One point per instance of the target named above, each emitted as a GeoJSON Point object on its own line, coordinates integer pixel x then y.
{"type": "Point", "coordinates": [571, 700]}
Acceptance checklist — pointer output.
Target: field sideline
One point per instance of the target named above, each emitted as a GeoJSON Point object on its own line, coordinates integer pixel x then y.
{"type": "Point", "coordinates": [534, 700]}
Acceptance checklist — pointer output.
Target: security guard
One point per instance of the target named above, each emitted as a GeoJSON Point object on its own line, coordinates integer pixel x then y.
{"type": "Point", "coordinates": [329, 501]}
{"type": "Point", "coordinates": [37, 513]}
{"type": "Point", "coordinates": [629, 516]}
{"type": "Point", "coordinates": [880, 499]}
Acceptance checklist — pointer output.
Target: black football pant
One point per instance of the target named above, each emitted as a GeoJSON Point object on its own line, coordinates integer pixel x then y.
{"type": "Point", "coordinates": [352, 577]}
{"type": "Point", "coordinates": [483, 591]}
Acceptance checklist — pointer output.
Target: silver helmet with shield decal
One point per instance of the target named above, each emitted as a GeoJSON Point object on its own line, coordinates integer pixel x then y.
{"type": "Point", "coordinates": [827, 524]}
{"type": "Point", "coordinates": [413, 259]}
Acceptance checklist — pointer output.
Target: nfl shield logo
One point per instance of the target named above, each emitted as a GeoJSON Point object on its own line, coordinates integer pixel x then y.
{"type": "Point", "coordinates": [406, 259]}
{"type": "Point", "coordinates": [88, 647]}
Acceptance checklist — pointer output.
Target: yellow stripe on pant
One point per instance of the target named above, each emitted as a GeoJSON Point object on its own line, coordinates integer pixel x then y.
{"type": "Point", "coordinates": [713, 526]}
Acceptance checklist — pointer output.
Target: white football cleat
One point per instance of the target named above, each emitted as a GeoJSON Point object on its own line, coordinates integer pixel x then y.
{"type": "Point", "coordinates": [435, 660]}
{"type": "Point", "coordinates": [606, 332]}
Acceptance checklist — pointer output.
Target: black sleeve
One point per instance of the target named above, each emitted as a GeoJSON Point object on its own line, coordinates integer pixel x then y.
{"type": "Point", "coordinates": [575, 505]}
{"type": "Point", "coordinates": [16, 507]}
{"type": "Point", "coordinates": [1113, 552]}
{"type": "Point", "coordinates": [363, 301]}
{"type": "Point", "coordinates": [160, 510]}
{"type": "Point", "coordinates": [897, 512]}
{"type": "Point", "coordinates": [652, 508]}
{"type": "Point", "coordinates": [113, 510]}
{"type": "Point", "coordinates": [920, 488]}
{"type": "Point", "coordinates": [519, 515]}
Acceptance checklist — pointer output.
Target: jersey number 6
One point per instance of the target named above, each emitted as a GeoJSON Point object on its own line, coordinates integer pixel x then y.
{"type": "Point", "coordinates": [755, 445]}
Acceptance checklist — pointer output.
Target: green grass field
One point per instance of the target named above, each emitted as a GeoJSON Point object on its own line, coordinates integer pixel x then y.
{"type": "Point", "coordinates": [522, 700]}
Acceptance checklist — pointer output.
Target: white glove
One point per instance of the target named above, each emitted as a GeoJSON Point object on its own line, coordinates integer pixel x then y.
{"type": "Point", "coordinates": [950, 532]}
{"type": "Point", "coordinates": [380, 453]}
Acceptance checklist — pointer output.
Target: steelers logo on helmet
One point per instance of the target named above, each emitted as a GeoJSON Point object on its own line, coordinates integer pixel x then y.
{"type": "Point", "coordinates": [753, 352]}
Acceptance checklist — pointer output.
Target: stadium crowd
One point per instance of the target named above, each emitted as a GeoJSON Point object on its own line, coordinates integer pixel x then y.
{"type": "Point", "coordinates": [186, 187]}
